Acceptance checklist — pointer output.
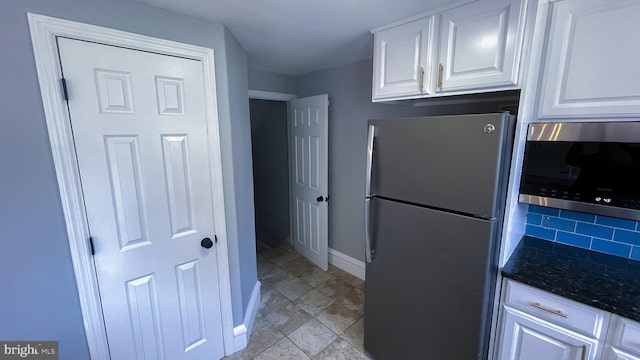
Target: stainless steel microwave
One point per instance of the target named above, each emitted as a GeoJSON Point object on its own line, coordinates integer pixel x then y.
{"type": "Point", "coordinates": [588, 167]}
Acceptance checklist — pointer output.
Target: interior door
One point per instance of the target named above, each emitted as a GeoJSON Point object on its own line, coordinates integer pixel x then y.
{"type": "Point", "coordinates": [139, 126]}
{"type": "Point", "coordinates": [308, 177]}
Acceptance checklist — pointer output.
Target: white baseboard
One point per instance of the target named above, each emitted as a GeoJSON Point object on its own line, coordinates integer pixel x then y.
{"type": "Point", "coordinates": [345, 262]}
{"type": "Point", "coordinates": [241, 332]}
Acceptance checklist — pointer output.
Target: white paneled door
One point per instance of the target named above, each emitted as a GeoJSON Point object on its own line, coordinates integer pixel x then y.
{"type": "Point", "coordinates": [139, 126]}
{"type": "Point", "coordinates": [308, 177]}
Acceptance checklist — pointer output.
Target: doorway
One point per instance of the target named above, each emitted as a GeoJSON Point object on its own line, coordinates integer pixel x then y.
{"type": "Point", "coordinates": [270, 172]}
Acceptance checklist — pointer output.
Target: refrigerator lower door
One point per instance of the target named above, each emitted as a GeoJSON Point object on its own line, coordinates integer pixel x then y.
{"type": "Point", "coordinates": [428, 288]}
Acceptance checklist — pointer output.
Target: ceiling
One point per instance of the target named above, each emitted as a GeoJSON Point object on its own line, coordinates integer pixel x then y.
{"type": "Point", "coordinates": [295, 37]}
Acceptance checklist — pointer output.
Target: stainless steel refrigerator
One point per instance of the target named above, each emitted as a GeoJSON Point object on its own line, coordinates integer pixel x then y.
{"type": "Point", "coordinates": [435, 196]}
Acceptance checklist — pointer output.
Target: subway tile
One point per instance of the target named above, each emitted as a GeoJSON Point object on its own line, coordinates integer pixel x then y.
{"type": "Point", "coordinates": [543, 210]}
{"type": "Point", "coordinates": [598, 231]}
{"type": "Point", "coordinates": [573, 239]}
{"type": "Point", "coordinates": [559, 224]}
{"type": "Point", "coordinates": [615, 222]}
{"type": "Point", "coordinates": [627, 237]}
{"type": "Point", "coordinates": [610, 247]}
{"type": "Point", "coordinates": [534, 219]}
{"type": "Point", "coordinates": [573, 215]}
{"type": "Point", "coordinates": [635, 253]}
{"type": "Point", "coordinates": [540, 232]}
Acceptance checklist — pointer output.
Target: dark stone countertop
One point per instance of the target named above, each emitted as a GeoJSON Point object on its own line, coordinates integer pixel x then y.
{"type": "Point", "coordinates": [600, 280]}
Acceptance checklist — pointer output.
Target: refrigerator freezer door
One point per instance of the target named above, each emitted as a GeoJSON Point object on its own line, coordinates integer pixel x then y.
{"type": "Point", "coordinates": [428, 289]}
{"type": "Point", "coordinates": [448, 162]}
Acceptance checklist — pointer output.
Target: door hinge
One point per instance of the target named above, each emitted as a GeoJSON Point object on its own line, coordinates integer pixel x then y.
{"type": "Point", "coordinates": [64, 89]}
{"type": "Point", "coordinates": [93, 251]}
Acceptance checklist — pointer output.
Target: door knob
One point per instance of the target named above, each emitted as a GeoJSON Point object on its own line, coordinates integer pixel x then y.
{"type": "Point", "coordinates": [206, 243]}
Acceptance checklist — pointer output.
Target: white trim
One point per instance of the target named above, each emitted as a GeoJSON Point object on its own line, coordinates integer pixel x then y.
{"type": "Point", "coordinates": [345, 262]}
{"type": "Point", "coordinates": [270, 95]}
{"type": "Point", "coordinates": [421, 15]}
{"type": "Point", "coordinates": [242, 332]}
{"type": "Point", "coordinates": [44, 31]}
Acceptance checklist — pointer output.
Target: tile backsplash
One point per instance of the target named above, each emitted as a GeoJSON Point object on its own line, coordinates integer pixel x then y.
{"type": "Point", "coordinates": [599, 233]}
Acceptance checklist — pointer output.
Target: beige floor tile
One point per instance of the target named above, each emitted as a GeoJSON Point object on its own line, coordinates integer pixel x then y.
{"type": "Point", "coordinates": [340, 350]}
{"type": "Point", "coordinates": [277, 277]}
{"type": "Point", "coordinates": [335, 289]}
{"type": "Point", "coordinates": [293, 288]}
{"type": "Point", "coordinates": [287, 256]}
{"type": "Point", "coordinates": [315, 276]}
{"type": "Point", "coordinates": [260, 340]}
{"type": "Point", "coordinates": [283, 350]}
{"type": "Point", "coordinates": [271, 301]}
{"type": "Point", "coordinates": [298, 266]}
{"type": "Point", "coordinates": [312, 337]}
{"type": "Point", "coordinates": [345, 276]}
{"type": "Point", "coordinates": [338, 317]}
{"type": "Point", "coordinates": [288, 318]}
{"type": "Point", "coordinates": [313, 302]}
{"type": "Point", "coordinates": [355, 334]}
{"type": "Point", "coordinates": [266, 268]}
{"type": "Point", "coordinates": [354, 300]}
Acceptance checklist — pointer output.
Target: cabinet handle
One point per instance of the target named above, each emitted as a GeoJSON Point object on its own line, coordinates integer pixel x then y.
{"type": "Point", "coordinates": [421, 80]}
{"type": "Point", "coordinates": [554, 312]}
{"type": "Point", "coordinates": [584, 352]}
{"type": "Point", "coordinates": [440, 71]}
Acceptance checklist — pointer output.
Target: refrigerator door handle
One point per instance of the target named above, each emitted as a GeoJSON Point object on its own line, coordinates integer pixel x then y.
{"type": "Point", "coordinates": [367, 230]}
{"type": "Point", "coordinates": [370, 137]}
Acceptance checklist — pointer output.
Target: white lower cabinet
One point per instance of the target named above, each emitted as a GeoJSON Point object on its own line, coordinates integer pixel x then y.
{"type": "Point", "coordinates": [538, 325]}
{"type": "Point", "coordinates": [623, 340]}
{"type": "Point", "coordinates": [526, 337]}
{"type": "Point", "coordinates": [617, 354]}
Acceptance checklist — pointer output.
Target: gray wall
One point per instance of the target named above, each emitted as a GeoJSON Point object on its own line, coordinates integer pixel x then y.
{"type": "Point", "coordinates": [268, 81]}
{"type": "Point", "coordinates": [239, 182]}
{"type": "Point", "coordinates": [39, 298]}
{"type": "Point", "coordinates": [270, 170]}
{"type": "Point", "coordinates": [349, 89]}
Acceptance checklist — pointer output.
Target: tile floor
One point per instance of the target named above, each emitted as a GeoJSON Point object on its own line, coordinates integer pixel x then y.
{"type": "Point", "coordinates": [305, 313]}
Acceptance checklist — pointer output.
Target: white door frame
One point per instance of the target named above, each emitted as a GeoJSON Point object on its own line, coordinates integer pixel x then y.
{"type": "Point", "coordinates": [44, 31]}
{"type": "Point", "coordinates": [286, 97]}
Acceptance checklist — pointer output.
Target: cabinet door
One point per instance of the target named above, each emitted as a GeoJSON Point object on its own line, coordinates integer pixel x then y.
{"type": "Point", "coordinates": [623, 340]}
{"type": "Point", "coordinates": [525, 337]}
{"type": "Point", "coordinates": [402, 56]}
{"type": "Point", "coordinates": [591, 68]}
{"type": "Point", "coordinates": [616, 354]}
{"type": "Point", "coordinates": [480, 45]}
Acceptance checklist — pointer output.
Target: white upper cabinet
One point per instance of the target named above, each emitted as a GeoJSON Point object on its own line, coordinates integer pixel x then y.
{"type": "Point", "coordinates": [401, 56]}
{"type": "Point", "coordinates": [591, 67]}
{"type": "Point", "coordinates": [480, 46]}
{"type": "Point", "coordinates": [471, 48]}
